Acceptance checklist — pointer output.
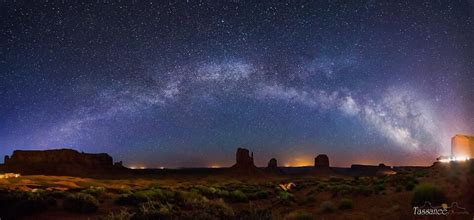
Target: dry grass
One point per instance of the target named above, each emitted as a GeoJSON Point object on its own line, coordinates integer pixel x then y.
{"type": "Point", "coordinates": [370, 197]}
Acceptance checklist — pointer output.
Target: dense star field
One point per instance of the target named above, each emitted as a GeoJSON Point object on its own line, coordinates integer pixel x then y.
{"type": "Point", "coordinates": [184, 83]}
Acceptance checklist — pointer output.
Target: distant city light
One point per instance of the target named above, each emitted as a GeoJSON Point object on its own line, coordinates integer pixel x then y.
{"type": "Point", "coordinates": [9, 175]}
{"type": "Point", "coordinates": [452, 158]}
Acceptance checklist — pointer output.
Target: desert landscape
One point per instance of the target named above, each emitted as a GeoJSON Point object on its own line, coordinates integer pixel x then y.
{"type": "Point", "coordinates": [243, 191]}
{"type": "Point", "coordinates": [236, 110]}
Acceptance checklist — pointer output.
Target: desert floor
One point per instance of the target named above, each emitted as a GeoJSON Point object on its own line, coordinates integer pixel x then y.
{"type": "Point", "coordinates": [221, 196]}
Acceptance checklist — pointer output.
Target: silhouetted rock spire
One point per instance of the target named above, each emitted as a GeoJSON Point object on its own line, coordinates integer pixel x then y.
{"type": "Point", "coordinates": [272, 164]}
{"type": "Point", "coordinates": [244, 160]}
{"type": "Point", "coordinates": [321, 161]}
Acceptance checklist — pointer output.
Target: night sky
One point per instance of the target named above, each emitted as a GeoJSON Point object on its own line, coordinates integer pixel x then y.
{"type": "Point", "coordinates": [184, 83]}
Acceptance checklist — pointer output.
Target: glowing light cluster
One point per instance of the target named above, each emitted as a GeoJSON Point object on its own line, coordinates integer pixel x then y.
{"type": "Point", "coordinates": [452, 158]}
{"type": "Point", "coordinates": [137, 168]}
{"type": "Point", "coordinates": [9, 175]}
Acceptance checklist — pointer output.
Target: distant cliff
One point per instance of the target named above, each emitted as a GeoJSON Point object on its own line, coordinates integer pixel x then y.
{"type": "Point", "coordinates": [60, 162]}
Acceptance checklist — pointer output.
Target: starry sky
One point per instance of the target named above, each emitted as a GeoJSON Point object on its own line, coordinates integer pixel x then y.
{"type": "Point", "coordinates": [184, 83]}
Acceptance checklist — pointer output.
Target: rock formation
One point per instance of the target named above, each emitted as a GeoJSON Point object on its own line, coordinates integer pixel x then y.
{"type": "Point", "coordinates": [244, 160]}
{"type": "Point", "coordinates": [321, 161]}
{"type": "Point", "coordinates": [272, 164]}
{"type": "Point", "coordinates": [59, 162]}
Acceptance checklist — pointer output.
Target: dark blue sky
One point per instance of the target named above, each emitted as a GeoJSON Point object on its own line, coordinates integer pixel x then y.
{"type": "Point", "coordinates": [185, 83]}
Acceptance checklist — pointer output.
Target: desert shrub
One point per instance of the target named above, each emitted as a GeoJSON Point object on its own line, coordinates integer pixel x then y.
{"type": "Point", "coordinates": [299, 215]}
{"type": "Point", "coordinates": [127, 199]}
{"type": "Point", "coordinates": [34, 202]}
{"type": "Point", "coordinates": [253, 213]}
{"type": "Point", "coordinates": [94, 191]}
{"type": "Point", "coordinates": [141, 196]}
{"type": "Point", "coordinates": [379, 187]}
{"type": "Point", "coordinates": [410, 186]}
{"type": "Point", "coordinates": [218, 209]}
{"type": "Point", "coordinates": [335, 179]}
{"type": "Point", "coordinates": [249, 189]}
{"type": "Point", "coordinates": [149, 194]}
{"type": "Point", "coordinates": [421, 173]}
{"type": "Point", "coordinates": [299, 186]}
{"type": "Point", "coordinates": [327, 206]}
{"type": "Point", "coordinates": [322, 187]}
{"type": "Point", "coordinates": [15, 204]}
{"type": "Point", "coordinates": [364, 190]}
{"type": "Point", "coordinates": [453, 178]}
{"type": "Point", "coordinates": [428, 193]}
{"type": "Point", "coordinates": [285, 197]}
{"type": "Point", "coordinates": [261, 194]}
{"type": "Point", "coordinates": [122, 215]}
{"type": "Point", "coordinates": [223, 193]}
{"type": "Point", "coordinates": [345, 204]}
{"type": "Point", "coordinates": [308, 199]}
{"type": "Point", "coordinates": [312, 191]}
{"type": "Point", "coordinates": [134, 198]}
{"type": "Point", "coordinates": [398, 188]}
{"type": "Point", "coordinates": [238, 196]}
{"type": "Point", "coordinates": [414, 180]}
{"type": "Point", "coordinates": [381, 180]}
{"type": "Point", "coordinates": [189, 199]}
{"type": "Point", "coordinates": [58, 194]}
{"type": "Point", "coordinates": [154, 210]}
{"type": "Point", "coordinates": [31, 205]}
{"type": "Point", "coordinates": [81, 202]}
{"type": "Point", "coordinates": [344, 189]}
{"type": "Point", "coordinates": [121, 190]}
{"type": "Point", "coordinates": [209, 192]}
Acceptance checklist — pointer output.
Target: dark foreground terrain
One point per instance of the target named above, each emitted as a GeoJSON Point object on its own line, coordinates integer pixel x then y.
{"type": "Point", "coordinates": [221, 194]}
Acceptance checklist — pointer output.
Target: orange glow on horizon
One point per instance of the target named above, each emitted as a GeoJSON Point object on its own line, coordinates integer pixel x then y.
{"type": "Point", "coordinates": [299, 162]}
{"type": "Point", "coordinates": [139, 167]}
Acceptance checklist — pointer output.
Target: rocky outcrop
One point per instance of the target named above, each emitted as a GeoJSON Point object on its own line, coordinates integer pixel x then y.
{"type": "Point", "coordinates": [244, 162]}
{"type": "Point", "coordinates": [60, 162]}
{"type": "Point", "coordinates": [243, 158]}
{"type": "Point", "coordinates": [321, 161]}
{"type": "Point", "coordinates": [272, 164]}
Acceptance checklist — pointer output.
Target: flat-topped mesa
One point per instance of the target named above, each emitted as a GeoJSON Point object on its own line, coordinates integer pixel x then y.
{"type": "Point", "coordinates": [321, 161]}
{"type": "Point", "coordinates": [244, 160]}
{"type": "Point", "coordinates": [59, 162]}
